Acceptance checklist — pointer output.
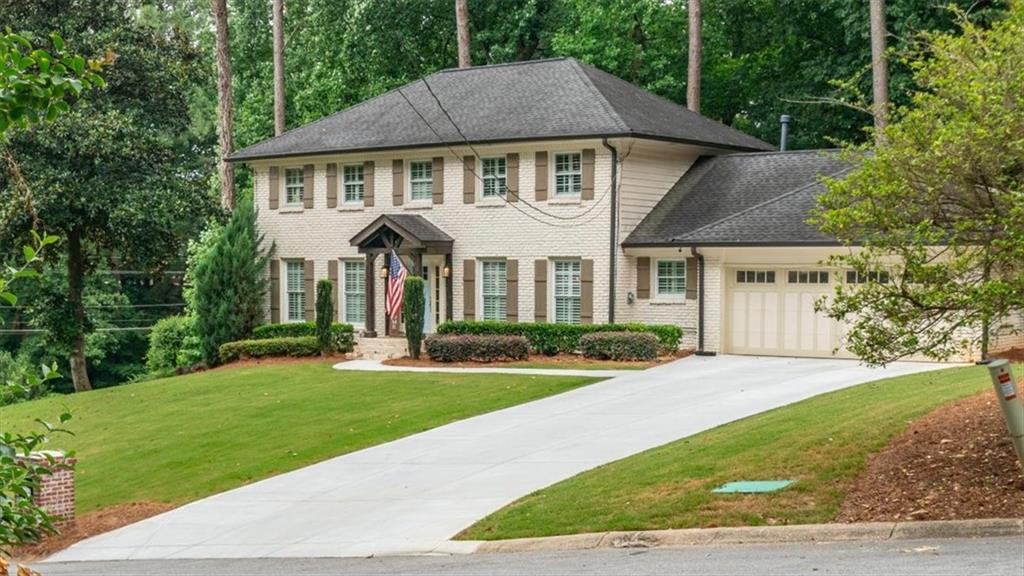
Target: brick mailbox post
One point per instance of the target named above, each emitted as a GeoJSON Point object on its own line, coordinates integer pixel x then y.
{"type": "Point", "coordinates": [56, 492]}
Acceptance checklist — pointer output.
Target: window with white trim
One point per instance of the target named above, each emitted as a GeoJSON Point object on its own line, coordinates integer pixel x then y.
{"type": "Point", "coordinates": [296, 288]}
{"type": "Point", "coordinates": [494, 176]}
{"type": "Point", "coordinates": [421, 180]}
{"type": "Point", "coordinates": [354, 288]}
{"type": "Point", "coordinates": [808, 276]}
{"type": "Point", "coordinates": [567, 291]}
{"type": "Point", "coordinates": [493, 289]}
{"type": "Point", "coordinates": [353, 180]}
{"type": "Point", "coordinates": [568, 174]}
{"type": "Point", "coordinates": [854, 277]}
{"type": "Point", "coordinates": [294, 185]}
{"type": "Point", "coordinates": [755, 277]}
{"type": "Point", "coordinates": [670, 277]}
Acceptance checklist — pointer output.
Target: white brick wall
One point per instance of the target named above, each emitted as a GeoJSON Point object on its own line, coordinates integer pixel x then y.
{"type": "Point", "coordinates": [480, 230]}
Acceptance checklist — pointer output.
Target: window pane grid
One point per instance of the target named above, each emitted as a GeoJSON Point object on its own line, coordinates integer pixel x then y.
{"type": "Point", "coordinates": [755, 276]}
{"type": "Point", "coordinates": [355, 292]}
{"type": "Point", "coordinates": [494, 177]}
{"type": "Point", "coordinates": [421, 180]}
{"type": "Point", "coordinates": [671, 277]}
{"type": "Point", "coordinates": [808, 277]}
{"type": "Point", "coordinates": [494, 290]}
{"type": "Point", "coordinates": [295, 283]}
{"type": "Point", "coordinates": [567, 292]}
{"type": "Point", "coordinates": [354, 183]}
{"type": "Point", "coordinates": [294, 185]}
{"type": "Point", "coordinates": [568, 174]}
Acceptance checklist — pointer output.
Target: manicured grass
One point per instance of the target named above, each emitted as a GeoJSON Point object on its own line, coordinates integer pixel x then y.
{"type": "Point", "coordinates": [178, 439]}
{"type": "Point", "coordinates": [821, 443]}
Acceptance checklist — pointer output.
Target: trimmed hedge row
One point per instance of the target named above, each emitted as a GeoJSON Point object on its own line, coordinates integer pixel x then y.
{"type": "Point", "coordinates": [619, 345]}
{"type": "Point", "coordinates": [552, 339]}
{"type": "Point", "coordinates": [467, 347]}
{"type": "Point", "coordinates": [289, 346]}
{"type": "Point", "coordinates": [342, 334]}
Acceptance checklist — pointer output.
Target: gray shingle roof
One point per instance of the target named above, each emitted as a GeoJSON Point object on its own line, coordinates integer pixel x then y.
{"type": "Point", "coordinates": [541, 99]}
{"type": "Point", "coordinates": [742, 199]}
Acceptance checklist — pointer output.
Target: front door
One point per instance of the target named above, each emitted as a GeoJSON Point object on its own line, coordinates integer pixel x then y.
{"type": "Point", "coordinates": [428, 314]}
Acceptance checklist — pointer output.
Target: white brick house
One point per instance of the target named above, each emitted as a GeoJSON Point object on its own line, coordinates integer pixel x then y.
{"type": "Point", "coordinates": [549, 191]}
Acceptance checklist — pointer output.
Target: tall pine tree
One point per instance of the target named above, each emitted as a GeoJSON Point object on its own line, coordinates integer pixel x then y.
{"type": "Point", "coordinates": [230, 284]}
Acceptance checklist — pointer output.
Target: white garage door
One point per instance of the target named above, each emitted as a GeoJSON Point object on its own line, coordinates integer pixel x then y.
{"type": "Point", "coordinates": [770, 311]}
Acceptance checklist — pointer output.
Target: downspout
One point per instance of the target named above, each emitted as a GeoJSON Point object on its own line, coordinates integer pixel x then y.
{"type": "Point", "coordinates": [700, 303]}
{"type": "Point", "coordinates": [613, 247]}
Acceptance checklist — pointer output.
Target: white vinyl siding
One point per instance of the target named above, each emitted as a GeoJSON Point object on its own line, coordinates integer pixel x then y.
{"type": "Point", "coordinates": [494, 177]}
{"type": "Point", "coordinates": [421, 180]}
{"type": "Point", "coordinates": [296, 288]}
{"type": "Point", "coordinates": [493, 289]}
{"type": "Point", "coordinates": [353, 184]}
{"type": "Point", "coordinates": [294, 185]}
{"type": "Point", "coordinates": [568, 174]}
{"type": "Point", "coordinates": [670, 278]}
{"type": "Point", "coordinates": [354, 287]}
{"type": "Point", "coordinates": [567, 291]}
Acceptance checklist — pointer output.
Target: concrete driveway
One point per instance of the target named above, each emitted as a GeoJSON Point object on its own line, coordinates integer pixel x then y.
{"type": "Point", "coordinates": [412, 495]}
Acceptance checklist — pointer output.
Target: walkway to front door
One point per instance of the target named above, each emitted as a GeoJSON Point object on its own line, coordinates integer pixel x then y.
{"type": "Point", "coordinates": [412, 495]}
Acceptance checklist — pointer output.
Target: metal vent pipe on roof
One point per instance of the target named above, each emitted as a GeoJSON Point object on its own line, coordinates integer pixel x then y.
{"type": "Point", "coordinates": [784, 138]}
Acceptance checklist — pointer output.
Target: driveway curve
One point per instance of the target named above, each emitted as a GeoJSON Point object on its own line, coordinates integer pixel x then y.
{"type": "Point", "coordinates": [412, 495]}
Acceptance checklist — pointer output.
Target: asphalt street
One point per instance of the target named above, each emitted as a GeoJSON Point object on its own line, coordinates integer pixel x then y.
{"type": "Point", "coordinates": [954, 557]}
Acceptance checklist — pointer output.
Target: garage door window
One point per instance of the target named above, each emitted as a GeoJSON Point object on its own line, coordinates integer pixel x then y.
{"type": "Point", "coordinates": [854, 277]}
{"type": "Point", "coordinates": [808, 276]}
{"type": "Point", "coordinates": [755, 277]}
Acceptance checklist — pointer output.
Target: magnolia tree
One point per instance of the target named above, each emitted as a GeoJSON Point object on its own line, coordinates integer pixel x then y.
{"type": "Point", "coordinates": [937, 210]}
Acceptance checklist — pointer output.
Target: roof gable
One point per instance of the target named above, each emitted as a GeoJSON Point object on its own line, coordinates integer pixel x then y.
{"type": "Point", "coordinates": [537, 100]}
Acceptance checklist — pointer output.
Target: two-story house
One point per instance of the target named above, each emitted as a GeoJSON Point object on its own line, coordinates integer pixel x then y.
{"type": "Point", "coordinates": [550, 191]}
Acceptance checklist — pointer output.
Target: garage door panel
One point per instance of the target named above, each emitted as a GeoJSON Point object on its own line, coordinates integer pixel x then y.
{"type": "Point", "coordinates": [770, 330]}
{"type": "Point", "coordinates": [738, 330]}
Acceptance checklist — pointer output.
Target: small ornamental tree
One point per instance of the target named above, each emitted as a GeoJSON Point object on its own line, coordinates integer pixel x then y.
{"type": "Point", "coordinates": [324, 315]}
{"type": "Point", "coordinates": [937, 211]}
{"type": "Point", "coordinates": [230, 284]}
{"type": "Point", "coordinates": [412, 310]}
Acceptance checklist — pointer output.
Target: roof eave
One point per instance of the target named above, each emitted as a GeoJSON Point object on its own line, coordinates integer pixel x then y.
{"type": "Point", "coordinates": [728, 244]}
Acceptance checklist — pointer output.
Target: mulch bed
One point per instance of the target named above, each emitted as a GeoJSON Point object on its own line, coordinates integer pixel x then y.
{"type": "Point", "coordinates": [89, 525]}
{"type": "Point", "coordinates": [569, 360]}
{"type": "Point", "coordinates": [956, 463]}
{"type": "Point", "coordinates": [1013, 354]}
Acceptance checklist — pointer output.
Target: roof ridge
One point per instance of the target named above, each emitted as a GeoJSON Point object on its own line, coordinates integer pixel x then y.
{"type": "Point", "coordinates": [766, 202]}
{"type": "Point", "coordinates": [504, 64]}
{"type": "Point", "coordinates": [781, 152]}
{"type": "Point", "coordinates": [578, 68]}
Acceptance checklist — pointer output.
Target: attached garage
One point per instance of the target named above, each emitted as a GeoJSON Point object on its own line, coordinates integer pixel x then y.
{"type": "Point", "coordinates": [770, 311]}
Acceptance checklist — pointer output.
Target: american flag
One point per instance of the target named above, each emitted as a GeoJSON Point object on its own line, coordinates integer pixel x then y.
{"type": "Point", "coordinates": [396, 286]}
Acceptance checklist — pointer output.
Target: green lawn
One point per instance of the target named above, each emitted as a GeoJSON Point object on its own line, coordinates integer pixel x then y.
{"type": "Point", "coordinates": [821, 443]}
{"type": "Point", "coordinates": [178, 439]}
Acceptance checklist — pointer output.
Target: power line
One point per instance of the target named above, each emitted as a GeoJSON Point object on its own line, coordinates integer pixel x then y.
{"type": "Point", "coordinates": [112, 306]}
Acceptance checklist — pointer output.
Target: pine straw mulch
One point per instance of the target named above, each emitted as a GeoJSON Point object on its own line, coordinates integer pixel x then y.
{"type": "Point", "coordinates": [89, 525]}
{"type": "Point", "coordinates": [955, 463]}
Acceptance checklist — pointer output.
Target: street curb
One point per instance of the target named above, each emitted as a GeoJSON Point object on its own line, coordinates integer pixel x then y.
{"type": "Point", "coordinates": [804, 533]}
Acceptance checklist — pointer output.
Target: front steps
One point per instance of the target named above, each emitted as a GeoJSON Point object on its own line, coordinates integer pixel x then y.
{"type": "Point", "coordinates": [380, 348]}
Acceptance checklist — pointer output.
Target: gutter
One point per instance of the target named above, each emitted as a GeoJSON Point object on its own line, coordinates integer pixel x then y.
{"type": "Point", "coordinates": [700, 303]}
{"type": "Point", "coordinates": [613, 231]}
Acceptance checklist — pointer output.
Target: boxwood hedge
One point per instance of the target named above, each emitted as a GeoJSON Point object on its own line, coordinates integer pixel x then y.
{"type": "Point", "coordinates": [268, 347]}
{"type": "Point", "coordinates": [553, 339]}
{"type": "Point", "coordinates": [342, 333]}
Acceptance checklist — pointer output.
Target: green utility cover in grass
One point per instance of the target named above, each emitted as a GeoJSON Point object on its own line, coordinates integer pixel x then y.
{"type": "Point", "coordinates": [752, 486]}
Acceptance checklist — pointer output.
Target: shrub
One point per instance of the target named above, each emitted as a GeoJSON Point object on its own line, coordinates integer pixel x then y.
{"type": "Point", "coordinates": [412, 312]}
{"type": "Point", "coordinates": [324, 315]}
{"type": "Point", "coordinates": [341, 334]}
{"type": "Point", "coordinates": [552, 339]}
{"type": "Point", "coordinates": [297, 346]}
{"type": "Point", "coordinates": [619, 345]}
{"type": "Point", "coordinates": [166, 340]}
{"type": "Point", "coordinates": [462, 348]}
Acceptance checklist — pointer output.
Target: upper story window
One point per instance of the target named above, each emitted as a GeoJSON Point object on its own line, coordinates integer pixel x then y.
{"type": "Point", "coordinates": [494, 177]}
{"type": "Point", "coordinates": [808, 277]}
{"type": "Point", "coordinates": [568, 174]}
{"type": "Point", "coordinates": [294, 185]}
{"type": "Point", "coordinates": [671, 277]}
{"type": "Point", "coordinates": [755, 277]}
{"type": "Point", "coordinates": [567, 291]}
{"type": "Point", "coordinates": [354, 183]}
{"type": "Point", "coordinates": [494, 289]}
{"type": "Point", "coordinates": [421, 180]}
{"type": "Point", "coordinates": [296, 276]}
{"type": "Point", "coordinates": [854, 277]}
